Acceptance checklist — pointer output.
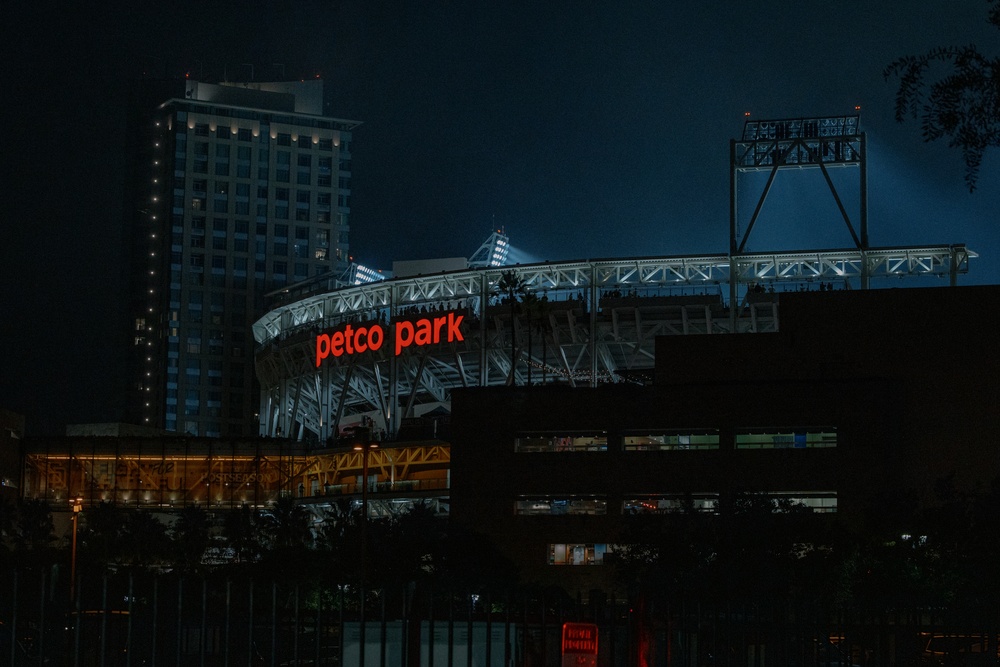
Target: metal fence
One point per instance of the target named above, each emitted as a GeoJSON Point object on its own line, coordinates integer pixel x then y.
{"type": "Point", "coordinates": [171, 620]}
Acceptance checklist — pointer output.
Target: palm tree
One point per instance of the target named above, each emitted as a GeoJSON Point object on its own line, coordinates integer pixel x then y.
{"type": "Point", "coordinates": [514, 288]}
{"type": "Point", "coordinates": [537, 312]}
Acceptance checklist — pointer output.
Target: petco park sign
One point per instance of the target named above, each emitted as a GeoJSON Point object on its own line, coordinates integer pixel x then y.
{"type": "Point", "coordinates": [356, 340]}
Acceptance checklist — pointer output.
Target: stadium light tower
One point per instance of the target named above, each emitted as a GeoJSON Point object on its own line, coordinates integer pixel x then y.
{"type": "Point", "coordinates": [798, 143]}
{"type": "Point", "coordinates": [493, 251]}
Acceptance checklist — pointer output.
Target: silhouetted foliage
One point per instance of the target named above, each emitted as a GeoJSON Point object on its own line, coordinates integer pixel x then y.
{"type": "Point", "coordinates": [192, 534]}
{"type": "Point", "coordinates": [963, 105]}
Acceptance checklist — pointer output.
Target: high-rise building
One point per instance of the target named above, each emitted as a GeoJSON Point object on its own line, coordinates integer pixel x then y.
{"type": "Point", "coordinates": [234, 190]}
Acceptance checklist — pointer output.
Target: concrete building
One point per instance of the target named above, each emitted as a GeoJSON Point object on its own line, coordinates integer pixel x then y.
{"type": "Point", "coordinates": [235, 190]}
{"type": "Point", "coordinates": [859, 400]}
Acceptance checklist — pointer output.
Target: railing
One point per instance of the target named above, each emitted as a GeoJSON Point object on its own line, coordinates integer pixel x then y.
{"type": "Point", "coordinates": [134, 618]}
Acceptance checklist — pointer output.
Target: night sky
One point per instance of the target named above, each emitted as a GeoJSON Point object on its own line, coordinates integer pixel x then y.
{"type": "Point", "coordinates": [586, 129]}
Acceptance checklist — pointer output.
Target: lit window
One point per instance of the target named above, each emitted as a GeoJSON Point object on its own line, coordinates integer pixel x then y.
{"type": "Point", "coordinates": [673, 440]}
{"type": "Point", "coordinates": [592, 442]}
{"type": "Point", "coordinates": [555, 506]}
{"type": "Point", "coordinates": [578, 554]}
{"type": "Point", "coordinates": [672, 503]}
{"type": "Point", "coordinates": [779, 438]}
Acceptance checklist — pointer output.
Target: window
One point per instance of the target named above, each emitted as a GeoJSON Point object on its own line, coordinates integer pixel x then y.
{"type": "Point", "coordinates": [281, 194]}
{"type": "Point", "coordinates": [820, 502]}
{"type": "Point", "coordinates": [785, 438]}
{"type": "Point", "coordinates": [562, 443]}
{"type": "Point", "coordinates": [304, 160]}
{"type": "Point", "coordinates": [222, 132]}
{"type": "Point", "coordinates": [284, 139]}
{"type": "Point", "coordinates": [672, 503]}
{"type": "Point", "coordinates": [201, 130]}
{"type": "Point", "coordinates": [222, 150]}
{"type": "Point", "coordinates": [578, 554]}
{"type": "Point", "coordinates": [244, 134]}
{"type": "Point", "coordinates": [552, 506]}
{"type": "Point", "coordinates": [326, 144]}
{"type": "Point", "coordinates": [305, 141]}
{"type": "Point", "coordinates": [673, 440]}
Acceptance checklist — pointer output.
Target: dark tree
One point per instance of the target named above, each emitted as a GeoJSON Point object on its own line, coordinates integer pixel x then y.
{"type": "Point", "coordinates": [143, 541]}
{"type": "Point", "coordinates": [192, 534]}
{"type": "Point", "coordinates": [964, 104]}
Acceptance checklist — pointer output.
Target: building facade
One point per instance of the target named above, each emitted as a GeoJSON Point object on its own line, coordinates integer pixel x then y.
{"type": "Point", "coordinates": [862, 403]}
{"type": "Point", "coordinates": [235, 190]}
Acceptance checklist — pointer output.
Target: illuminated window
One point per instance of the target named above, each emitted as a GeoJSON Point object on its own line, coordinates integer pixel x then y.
{"type": "Point", "coordinates": [778, 438]}
{"type": "Point", "coordinates": [578, 554]}
{"type": "Point", "coordinates": [820, 502]}
{"type": "Point", "coordinates": [593, 442]}
{"type": "Point", "coordinates": [672, 503]}
{"type": "Point", "coordinates": [673, 440]}
{"type": "Point", "coordinates": [556, 506]}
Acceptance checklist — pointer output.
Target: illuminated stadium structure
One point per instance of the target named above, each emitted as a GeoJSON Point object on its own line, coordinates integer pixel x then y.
{"type": "Point", "coordinates": [390, 351]}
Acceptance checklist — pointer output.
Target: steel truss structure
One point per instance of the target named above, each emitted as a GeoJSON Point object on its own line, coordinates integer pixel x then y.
{"type": "Point", "coordinates": [166, 473]}
{"type": "Point", "coordinates": [594, 321]}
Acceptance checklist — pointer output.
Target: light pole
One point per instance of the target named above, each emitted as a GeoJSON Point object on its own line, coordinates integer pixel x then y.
{"type": "Point", "coordinates": [77, 508]}
{"type": "Point", "coordinates": [365, 445]}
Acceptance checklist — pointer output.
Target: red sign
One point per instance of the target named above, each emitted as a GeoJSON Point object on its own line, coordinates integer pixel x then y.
{"type": "Point", "coordinates": [425, 331]}
{"type": "Point", "coordinates": [579, 644]}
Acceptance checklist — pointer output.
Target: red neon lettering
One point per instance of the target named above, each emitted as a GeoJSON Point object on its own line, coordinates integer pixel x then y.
{"type": "Point", "coordinates": [438, 323]}
{"type": "Point", "coordinates": [404, 335]}
{"type": "Point", "coordinates": [359, 340]}
{"type": "Point", "coordinates": [337, 343]}
{"type": "Point", "coordinates": [454, 335]}
{"type": "Point", "coordinates": [425, 331]}
{"type": "Point", "coordinates": [424, 334]}
{"type": "Point", "coordinates": [349, 339]}
{"type": "Point", "coordinates": [322, 348]}
{"type": "Point", "coordinates": [375, 337]}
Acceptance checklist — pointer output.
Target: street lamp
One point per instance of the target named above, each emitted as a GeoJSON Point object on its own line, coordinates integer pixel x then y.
{"type": "Point", "coordinates": [366, 449]}
{"type": "Point", "coordinates": [77, 508]}
{"type": "Point", "coordinates": [365, 445]}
